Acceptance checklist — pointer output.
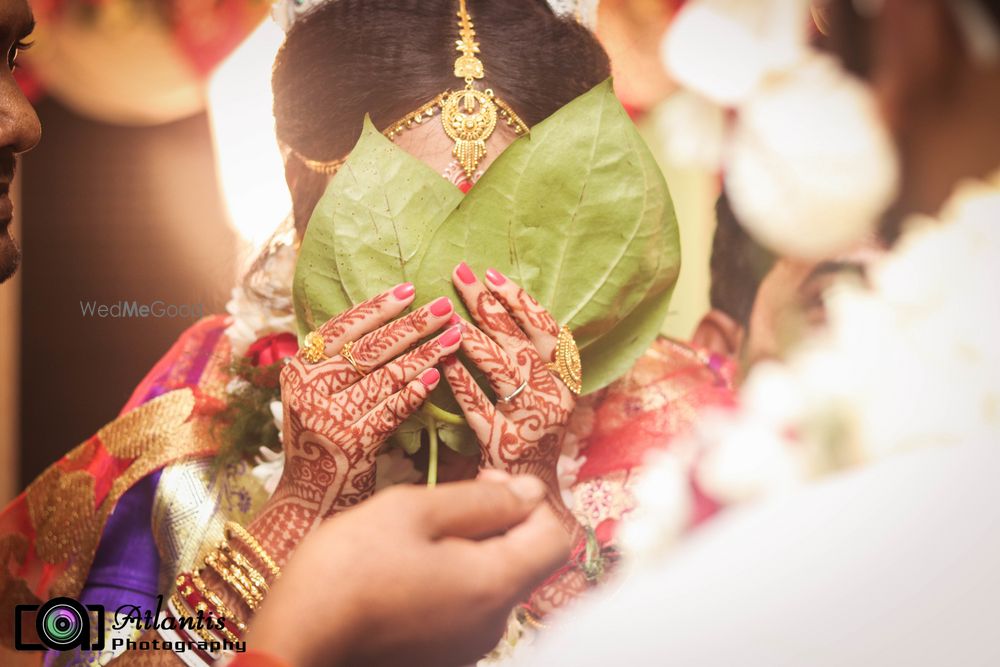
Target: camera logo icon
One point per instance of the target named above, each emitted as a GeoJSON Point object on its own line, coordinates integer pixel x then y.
{"type": "Point", "coordinates": [61, 624]}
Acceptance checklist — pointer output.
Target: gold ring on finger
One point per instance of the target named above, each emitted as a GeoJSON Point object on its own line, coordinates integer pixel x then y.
{"type": "Point", "coordinates": [347, 352]}
{"type": "Point", "coordinates": [314, 348]}
{"type": "Point", "coordinates": [567, 363]}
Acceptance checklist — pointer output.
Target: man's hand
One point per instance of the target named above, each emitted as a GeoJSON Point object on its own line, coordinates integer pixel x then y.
{"type": "Point", "coordinates": [413, 576]}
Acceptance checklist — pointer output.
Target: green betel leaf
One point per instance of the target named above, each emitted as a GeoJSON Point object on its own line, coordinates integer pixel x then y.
{"type": "Point", "coordinates": [369, 228]}
{"type": "Point", "coordinates": [577, 212]}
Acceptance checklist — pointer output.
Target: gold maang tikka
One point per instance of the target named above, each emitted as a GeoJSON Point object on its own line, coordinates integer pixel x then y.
{"type": "Point", "coordinates": [468, 116]}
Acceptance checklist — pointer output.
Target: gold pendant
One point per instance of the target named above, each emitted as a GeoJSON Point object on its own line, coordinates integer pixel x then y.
{"type": "Point", "coordinates": [469, 117]}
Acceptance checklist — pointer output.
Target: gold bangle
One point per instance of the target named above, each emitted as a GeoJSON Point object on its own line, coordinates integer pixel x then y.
{"type": "Point", "coordinates": [528, 618]}
{"type": "Point", "coordinates": [234, 528]}
{"type": "Point", "coordinates": [252, 598]}
{"type": "Point", "coordinates": [227, 634]}
{"type": "Point", "coordinates": [242, 562]}
{"type": "Point", "coordinates": [216, 601]}
{"type": "Point", "coordinates": [223, 560]}
{"type": "Point", "coordinates": [238, 572]}
{"type": "Point", "coordinates": [179, 604]}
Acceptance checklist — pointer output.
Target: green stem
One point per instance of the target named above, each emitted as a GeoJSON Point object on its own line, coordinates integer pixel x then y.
{"type": "Point", "coordinates": [432, 454]}
{"type": "Point", "coordinates": [438, 414]}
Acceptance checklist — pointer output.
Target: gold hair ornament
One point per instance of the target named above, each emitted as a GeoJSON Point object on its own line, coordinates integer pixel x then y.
{"type": "Point", "coordinates": [468, 116]}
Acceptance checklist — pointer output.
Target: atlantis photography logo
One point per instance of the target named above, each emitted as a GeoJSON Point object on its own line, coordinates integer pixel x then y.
{"type": "Point", "coordinates": [65, 624]}
{"type": "Point", "coordinates": [61, 624]}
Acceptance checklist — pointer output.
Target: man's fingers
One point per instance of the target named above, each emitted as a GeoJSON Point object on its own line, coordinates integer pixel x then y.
{"type": "Point", "coordinates": [538, 323]}
{"type": "Point", "coordinates": [367, 316]}
{"type": "Point", "coordinates": [528, 553]}
{"type": "Point", "coordinates": [481, 509]}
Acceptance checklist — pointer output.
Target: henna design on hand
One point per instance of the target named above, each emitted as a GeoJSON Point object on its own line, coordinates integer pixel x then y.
{"type": "Point", "coordinates": [524, 436]}
{"type": "Point", "coordinates": [336, 419]}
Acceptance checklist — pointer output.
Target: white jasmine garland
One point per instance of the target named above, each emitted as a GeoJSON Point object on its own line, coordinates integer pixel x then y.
{"type": "Point", "coordinates": [270, 466]}
{"type": "Point", "coordinates": [725, 49]}
{"type": "Point", "coordinates": [663, 507]}
{"type": "Point", "coordinates": [253, 317]}
{"type": "Point", "coordinates": [809, 166]}
{"type": "Point", "coordinates": [693, 129]}
{"type": "Point", "coordinates": [912, 361]}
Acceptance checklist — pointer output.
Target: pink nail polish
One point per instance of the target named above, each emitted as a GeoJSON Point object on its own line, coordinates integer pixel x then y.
{"type": "Point", "coordinates": [455, 319]}
{"type": "Point", "coordinates": [441, 307]}
{"type": "Point", "coordinates": [465, 274]}
{"type": "Point", "coordinates": [430, 377]}
{"type": "Point", "coordinates": [495, 277]}
{"type": "Point", "coordinates": [404, 291]}
{"type": "Point", "coordinates": [450, 337]}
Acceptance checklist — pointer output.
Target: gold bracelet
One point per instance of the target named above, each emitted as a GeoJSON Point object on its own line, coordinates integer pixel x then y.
{"type": "Point", "coordinates": [178, 602]}
{"type": "Point", "coordinates": [252, 598]}
{"type": "Point", "coordinates": [235, 570]}
{"type": "Point", "coordinates": [528, 618]}
{"type": "Point", "coordinates": [220, 560]}
{"type": "Point", "coordinates": [234, 528]}
{"type": "Point", "coordinates": [226, 632]}
{"type": "Point", "coordinates": [242, 562]}
{"type": "Point", "coordinates": [216, 601]}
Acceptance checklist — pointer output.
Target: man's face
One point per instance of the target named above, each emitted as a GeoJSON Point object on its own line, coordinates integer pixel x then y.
{"type": "Point", "coordinates": [19, 128]}
{"type": "Point", "coordinates": [790, 305]}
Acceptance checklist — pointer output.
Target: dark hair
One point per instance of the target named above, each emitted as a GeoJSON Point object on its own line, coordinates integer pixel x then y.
{"type": "Point", "coordinates": [738, 265]}
{"type": "Point", "coordinates": [849, 35]}
{"type": "Point", "coordinates": [385, 58]}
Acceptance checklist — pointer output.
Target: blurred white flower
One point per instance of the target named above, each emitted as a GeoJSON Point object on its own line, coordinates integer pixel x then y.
{"type": "Point", "coordinates": [270, 466]}
{"type": "Point", "coordinates": [810, 166]}
{"type": "Point", "coordinates": [693, 130]}
{"type": "Point", "coordinates": [750, 459]}
{"type": "Point", "coordinates": [278, 414]}
{"type": "Point", "coordinates": [663, 507]}
{"type": "Point", "coordinates": [723, 49]}
{"type": "Point", "coordinates": [286, 12]}
{"type": "Point", "coordinates": [911, 361]}
{"type": "Point", "coordinates": [253, 317]}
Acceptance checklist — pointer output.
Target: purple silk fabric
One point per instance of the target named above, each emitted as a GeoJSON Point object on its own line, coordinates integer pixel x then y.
{"type": "Point", "coordinates": [126, 568]}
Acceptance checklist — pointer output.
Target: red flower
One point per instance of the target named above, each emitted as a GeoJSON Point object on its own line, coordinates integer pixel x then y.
{"type": "Point", "coordinates": [271, 349]}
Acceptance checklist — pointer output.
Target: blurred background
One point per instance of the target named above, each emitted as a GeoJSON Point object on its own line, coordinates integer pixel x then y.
{"type": "Point", "coordinates": [158, 174]}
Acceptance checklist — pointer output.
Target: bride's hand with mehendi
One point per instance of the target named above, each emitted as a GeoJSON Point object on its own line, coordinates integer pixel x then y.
{"type": "Point", "coordinates": [512, 345]}
{"type": "Point", "coordinates": [337, 413]}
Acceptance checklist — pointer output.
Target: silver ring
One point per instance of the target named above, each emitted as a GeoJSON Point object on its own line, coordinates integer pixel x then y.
{"type": "Point", "coordinates": [514, 394]}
